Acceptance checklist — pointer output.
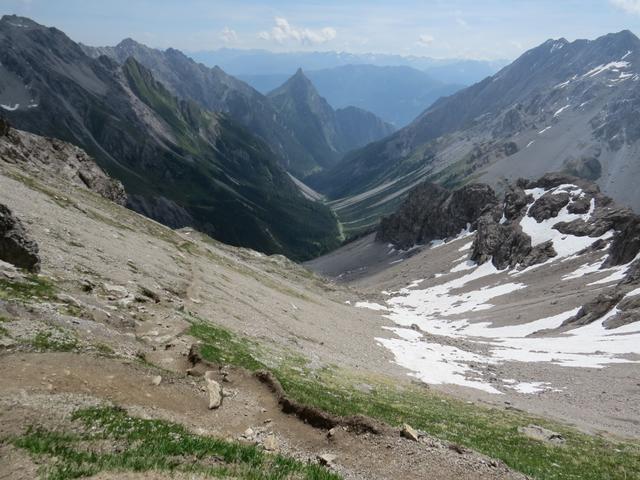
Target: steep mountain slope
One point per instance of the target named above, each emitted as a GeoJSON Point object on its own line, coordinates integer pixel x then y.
{"type": "Point", "coordinates": [213, 89]}
{"type": "Point", "coordinates": [217, 91]}
{"type": "Point", "coordinates": [397, 94]}
{"type": "Point", "coordinates": [326, 133]}
{"type": "Point", "coordinates": [180, 164]}
{"type": "Point", "coordinates": [560, 106]}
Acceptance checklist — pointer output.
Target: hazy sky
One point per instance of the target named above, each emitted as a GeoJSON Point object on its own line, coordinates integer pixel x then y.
{"type": "Point", "coordinates": [487, 29]}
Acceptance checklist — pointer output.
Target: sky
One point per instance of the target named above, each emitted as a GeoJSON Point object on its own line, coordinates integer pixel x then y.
{"type": "Point", "coordinates": [479, 29]}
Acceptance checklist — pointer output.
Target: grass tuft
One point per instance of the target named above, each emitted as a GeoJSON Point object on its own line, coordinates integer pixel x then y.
{"type": "Point", "coordinates": [146, 445]}
{"type": "Point", "coordinates": [34, 287]}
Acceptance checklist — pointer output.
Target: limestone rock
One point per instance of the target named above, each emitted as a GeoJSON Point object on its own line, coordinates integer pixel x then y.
{"type": "Point", "coordinates": [117, 291]}
{"type": "Point", "coordinates": [270, 443]}
{"type": "Point", "coordinates": [542, 434]}
{"type": "Point", "coordinates": [431, 212]}
{"type": "Point", "coordinates": [214, 389]}
{"type": "Point", "coordinates": [52, 158]}
{"type": "Point", "coordinates": [596, 308]}
{"type": "Point", "coordinates": [326, 459]}
{"type": "Point", "coordinates": [409, 433]}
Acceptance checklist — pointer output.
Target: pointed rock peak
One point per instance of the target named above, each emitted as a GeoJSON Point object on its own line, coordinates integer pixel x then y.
{"type": "Point", "coordinates": [129, 44]}
{"type": "Point", "coordinates": [299, 79]}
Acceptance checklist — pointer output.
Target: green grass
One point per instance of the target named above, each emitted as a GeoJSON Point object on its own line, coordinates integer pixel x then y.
{"type": "Point", "coordinates": [146, 445]}
{"type": "Point", "coordinates": [33, 288]}
{"type": "Point", "coordinates": [60, 341]}
{"type": "Point", "coordinates": [222, 347]}
{"type": "Point", "coordinates": [491, 431]}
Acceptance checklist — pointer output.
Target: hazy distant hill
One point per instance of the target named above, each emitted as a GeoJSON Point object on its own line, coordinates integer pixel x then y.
{"type": "Point", "coordinates": [395, 94]}
{"type": "Point", "coordinates": [263, 62]}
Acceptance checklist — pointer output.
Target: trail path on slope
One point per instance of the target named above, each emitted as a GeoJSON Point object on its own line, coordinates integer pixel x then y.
{"type": "Point", "coordinates": [45, 388]}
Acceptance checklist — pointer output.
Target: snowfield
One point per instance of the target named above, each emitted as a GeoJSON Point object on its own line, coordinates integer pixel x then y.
{"type": "Point", "coordinates": [427, 319]}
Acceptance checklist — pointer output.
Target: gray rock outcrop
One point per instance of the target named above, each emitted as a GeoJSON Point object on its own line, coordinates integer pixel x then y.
{"type": "Point", "coordinates": [48, 157]}
{"type": "Point", "coordinates": [432, 212]}
{"type": "Point", "coordinates": [15, 245]}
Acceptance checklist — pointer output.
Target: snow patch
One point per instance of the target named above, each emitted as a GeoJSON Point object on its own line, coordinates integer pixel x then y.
{"type": "Point", "coordinates": [614, 66]}
{"type": "Point", "coordinates": [10, 108]}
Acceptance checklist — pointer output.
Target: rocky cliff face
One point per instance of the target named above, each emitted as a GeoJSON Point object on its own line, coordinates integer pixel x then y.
{"type": "Point", "coordinates": [42, 156]}
{"type": "Point", "coordinates": [432, 212]}
{"type": "Point", "coordinates": [552, 218]}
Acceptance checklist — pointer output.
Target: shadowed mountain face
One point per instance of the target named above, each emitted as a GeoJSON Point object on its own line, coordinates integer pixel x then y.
{"type": "Point", "coordinates": [326, 133]}
{"type": "Point", "coordinates": [217, 91]}
{"type": "Point", "coordinates": [559, 107]}
{"type": "Point", "coordinates": [181, 164]}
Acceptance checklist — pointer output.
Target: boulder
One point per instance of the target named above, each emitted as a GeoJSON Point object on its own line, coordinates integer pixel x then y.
{"type": "Point", "coordinates": [506, 245]}
{"type": "Point", "coordinates": [409, 433]}
{"type": "Point", "coordinates": [16, 247]}
{"type": "Point", "coordinates": [270, 443]}
{"type": "Point", "coordinates": [327, 459]}
{"type": "Point", "coordinates": [595, 309]}
{"type": "Point", "coordinates": [548, 206]}
{"type": "Point", "coordinates": [515, 202]}
{"type": "Point", "coordinates": [626, 243]}
{"type": "Point", "coordinates": [542, 434]}
{"type": "Point", "coordinates": [214, 389]}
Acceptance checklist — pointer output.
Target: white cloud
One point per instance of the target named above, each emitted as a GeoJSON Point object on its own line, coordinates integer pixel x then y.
{"type": "Point", "coordinates": [462, 22]}
{"type": "Point", "coordinates": [228, 35]}
{"type": "Point", "coordinates": [284, 32]}
{"type": "Point", "coordinates": [425, 40]}
{"type": "Point", "coordinates": [629, 6]}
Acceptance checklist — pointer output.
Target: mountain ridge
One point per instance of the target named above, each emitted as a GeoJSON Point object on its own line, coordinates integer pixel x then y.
{"type": "Point", "coordinates": [557, 98]}
{"type": "Point", "coordinates": [216, 90]}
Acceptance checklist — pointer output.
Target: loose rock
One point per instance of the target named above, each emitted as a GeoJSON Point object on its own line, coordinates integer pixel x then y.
{"type": "Point", "coordinates": [214, 389]}
{"type": "Point", "coordinates": [270, 443]}
{"type": "Point", "coordinates": [409, 433]}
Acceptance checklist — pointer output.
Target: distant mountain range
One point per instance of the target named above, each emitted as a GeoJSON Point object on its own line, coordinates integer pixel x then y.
{"type": "Point", "coordinates": [397, 94]}
{"type": "Point", "coordinates": [562, 106]}
{"type": "Point", "coordinates": [217, 91]}
{"type": "Point", "coordinates": [180, 163]}
{"type": "Point", "coordinates": [263, 62]}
